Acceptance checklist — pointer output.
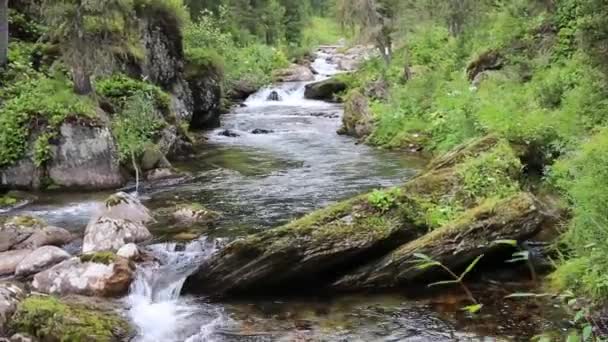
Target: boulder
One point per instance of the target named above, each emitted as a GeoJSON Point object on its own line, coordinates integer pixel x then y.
{"type": "Point", "coordinates": [123, 206]}
{"type": "Point", "coordinates": [228, 133]}
{"type": "Point", "coordinates": [318, 248]}
{"type": "Point", "coordinates": [40, 259]}
{"type": "Point", "coordinates": [11, 294]}
{"type": "Point", "coordinates": [9, 260]}
{"type": "Point", "coordinates": [327, 90]}
{"type": "Point", "coordinates": [85, 156]}
{"type": "Point", "coordinates": [153, 158]}
{"type": "Point", "coordinates": [489, 60]}
{"type": "Point", "coordinates": [110, 234]}
{"type": "Point", "coordinates": [241, 90]}
{"type": "Point", "coordinates": [70, 319]}
{"type": "Point", "coordinates": [294, 73]}
{"type": "Point", "coordinates": [206, 86]}
{"type": "Point", "coordinates": [357, 120]}
{"type": "Point", "coordinates": [95, 274]}
{"type": "Point", "coordinates": [262, 131]}
{"type": "Point", "coordinates": [47, 236]}
{"type": "Point", "coordinates": [455, 245]}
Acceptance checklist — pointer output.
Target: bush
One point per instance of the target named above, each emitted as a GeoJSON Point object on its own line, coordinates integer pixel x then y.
{"type": "Point", "coordinates": [41, 103]}
{"type": "Point", "coordinates": [120, 89]}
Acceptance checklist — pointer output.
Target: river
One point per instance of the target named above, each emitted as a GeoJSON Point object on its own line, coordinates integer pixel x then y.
{"type": "Point", "coordinates": [258, 181]}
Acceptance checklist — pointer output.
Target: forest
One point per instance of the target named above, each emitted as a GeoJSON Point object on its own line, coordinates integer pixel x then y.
{"type": "Point", "coordinates": [506, 101]}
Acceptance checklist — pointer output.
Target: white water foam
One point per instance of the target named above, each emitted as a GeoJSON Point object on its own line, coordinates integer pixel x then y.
{"type": "Point", "coordinates": [156, 307]}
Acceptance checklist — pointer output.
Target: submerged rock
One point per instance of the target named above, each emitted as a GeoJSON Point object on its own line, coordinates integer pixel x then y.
{"type": "Point", "coordinates": [195, 214]}
{"type": "Point", "coordinates": [274, 96]}
{"type": "Point", "coordinates": [228, 133]}
{"type": "Point", "coordinates": [262, 131]}
{"type": "Point", "coordinates": [40, 259]}
{"type": "Point", "coordinates": [96, 274]}
{"type": "Point", "coordinates": [70, 319]}
{"type": "Point", "coordinates": [11, 294]}
{"type": "Point", "coordinates": [327, 90]}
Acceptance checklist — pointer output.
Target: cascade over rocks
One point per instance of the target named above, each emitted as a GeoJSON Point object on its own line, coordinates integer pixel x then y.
{"type": "Point", "coordinates": [324, 247]}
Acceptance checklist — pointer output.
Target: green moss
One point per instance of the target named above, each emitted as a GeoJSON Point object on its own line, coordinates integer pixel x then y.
{"type": "Point", "coordinates": [115, 200]}
{"type": "Point", "coordinates": [7, 201]}
{"type": "Point", "coordinates": [105, 258]}
{"type": "Point", "coordinates": [51, 319]}
{"type": "Point", "coordinates": [26, 221]}
{"type": "Point", "coordinates": [119, 88]}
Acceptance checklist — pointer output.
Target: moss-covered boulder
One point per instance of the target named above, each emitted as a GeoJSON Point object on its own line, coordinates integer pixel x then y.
{"type": "Point", "coordinates": [357, 120]}
{"type": "Point", "coordinates": [327, 90]}
{"type": "Point", "coordinates": [70, 320]}
{"type": "Point", "coordinates": [26, 232]}
{"type": "Point", "coordinates": [455, 245]}
{"type": "Point", "coordinates": [317, 249]}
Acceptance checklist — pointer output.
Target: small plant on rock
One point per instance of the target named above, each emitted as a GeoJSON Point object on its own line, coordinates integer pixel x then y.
{"type": "Point", "coordinates": [384, 200]}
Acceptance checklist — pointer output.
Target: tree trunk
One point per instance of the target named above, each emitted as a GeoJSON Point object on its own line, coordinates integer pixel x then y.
{"type": "Point", "coordinates": [3, 32]}
{"type": "Point", "coordinates": [82, 80]}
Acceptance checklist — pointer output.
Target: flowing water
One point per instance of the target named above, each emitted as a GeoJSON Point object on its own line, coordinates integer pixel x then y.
{"type": "Point", "coordinates": [262, 180]}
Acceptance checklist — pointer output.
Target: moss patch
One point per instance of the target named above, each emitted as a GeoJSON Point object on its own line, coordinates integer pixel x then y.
{"type": "Point", "coordinates": [51, 319]}
{"type": "Point", "coordinates": [105, 258]}
{"type": "Point", "coordinates": [26, 222]}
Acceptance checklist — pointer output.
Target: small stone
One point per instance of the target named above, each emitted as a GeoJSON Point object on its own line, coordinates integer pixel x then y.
{"type": "Point", "coordinates": [228, 133]}
{"type": "Point", "coordinates": [128, 251]}
{"type": "Point", "coordinates": [261, 131]}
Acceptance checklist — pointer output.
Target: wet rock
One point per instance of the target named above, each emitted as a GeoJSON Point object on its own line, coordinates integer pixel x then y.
{"type": "Point", "coordinates": [153, 158]}
{"type": "Point", "coordinates": [327, 90]}
{"type": "Point", "coordinates": [85, 157]}
{"type": "Point", "coordinates": [294, 73]}
{"type": "Point", "coordinates": [262, 131]}
{"type": "Point", "coordinates": [11, 294]}
{"type": "Point", "coordinates": [160, 174]}
{"type": "Point", "coordinates": [489, 60]}
{"type": "Point", "coordinates": [109, 234]}
{"type": "Point", "coordinates": [228, 133]}
{"type": "Point", "coordinates": [206, 86]}
{"type": "Point", "coordinates": [40, 259]}
{"type": "Point", "coordinates": [10, 259]}
{"type": "Point", "coordinates": [455, 245]}
{"type": "Point", "coordinates": [357, 120]}
{"type": "Point", "coordinates": [47, 236]}
{"type": "Point", "coordinates": [195, 214]}
{"type": "Point", "coordinates": [128, 251]}
{"type": "Point", "coordinates": [95, 274]}
{"type": "Point", "coordinates": [123, 206]}
{"type": "Point", "coordinates": [241, 90]}
{"type": "Point", "coordinates": [70, 319]}
{"type": "Point", "coordinates": [274, 96]}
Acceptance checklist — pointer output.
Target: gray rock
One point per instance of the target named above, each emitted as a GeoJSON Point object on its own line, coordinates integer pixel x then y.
{"type": "Point", "coordinates": [294, 73]}
{"type": "Point", "coordinates": [85, 157]}
{"type": "Point", "coordinates": [40, 259]}
{"type": "Point", "coordinates": [10, 295]}
{"type": "Point", "coordinates": [128, 251]}
{"type": "Point", "coordinates": [108, 234]}
{"type": "Point", "coordinates": [10, 259]}
{"type": "Point", "coordinates": [274, 96]}
{"type": "Point", "coordinates": [207, 95]}
{"type": "Point", "coordinates": [24, 232]}
{"type": "Point", "coordinates": [123, 206]}
{"type": "Point", "coordinates": [74, 276]}
{"type": "Point", "coordinates": [182, 101]}
{"type": "Point", "coordinates": [326, 90]}
{"type": "Point", "coordinates": [53, 236]}
{"type": "Point", "coordinates": [159, 174]}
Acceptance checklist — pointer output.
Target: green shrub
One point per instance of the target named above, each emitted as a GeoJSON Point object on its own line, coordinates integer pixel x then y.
{"type": "Point", "coordinates": [41, 103]}
{"type": "Point", "coordinates": [136, 126]}
{"type": "Point", "coordinates": [120, 88]}
{"type": "Point", "coordinates": [384, 200]}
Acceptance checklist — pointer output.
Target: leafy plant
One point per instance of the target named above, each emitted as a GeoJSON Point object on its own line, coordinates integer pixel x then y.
{"type": "Point", "coordinates": [384, 200]}
{"type": "Point", "coordinates": [519, 256]}
{"type": "Point", "coordinates": [424, 262]}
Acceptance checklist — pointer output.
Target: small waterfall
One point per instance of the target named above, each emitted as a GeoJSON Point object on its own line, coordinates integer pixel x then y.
{"type": "Point", "coordinates": [156, 307]}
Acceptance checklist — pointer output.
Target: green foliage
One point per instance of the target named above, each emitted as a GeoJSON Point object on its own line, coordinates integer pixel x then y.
{"type": "Point", "coordinates": [38, 103]}
{"type": "Point", "coordinates": [50, 318]}
{"type": "Point", "coordinates": [136, 125]}
{"type": "Point", "coordinates": [384, 200]}
{"type": "Point", "coordinates": [173, 9]}
{"type": "Point", "coordinates": [42, 149]}
{"type": "Point", "coordinates": [120, 89]}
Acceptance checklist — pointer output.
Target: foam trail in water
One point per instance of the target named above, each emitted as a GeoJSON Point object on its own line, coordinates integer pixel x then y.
{"type": "Point", "coordinates": [156, 307]}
